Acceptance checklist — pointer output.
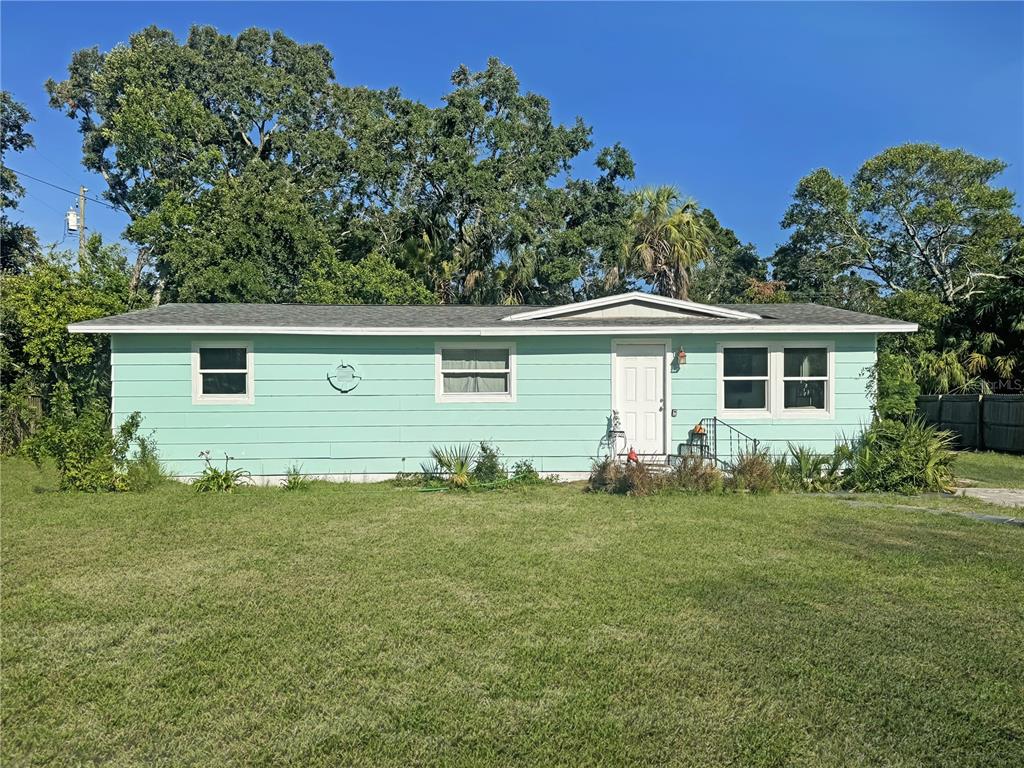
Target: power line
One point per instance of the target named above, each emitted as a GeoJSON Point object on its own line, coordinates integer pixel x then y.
{"type": "Point", "coordinates": [40, 200]}
{"type": "Point", "coordinates": [64, 189]}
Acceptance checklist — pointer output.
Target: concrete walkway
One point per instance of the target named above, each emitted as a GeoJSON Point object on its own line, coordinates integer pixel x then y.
{"type": "Point", "coordinates": [1006, 497]}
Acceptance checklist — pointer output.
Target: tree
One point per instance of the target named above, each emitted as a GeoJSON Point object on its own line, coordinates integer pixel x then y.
{"type": "Point", "coordinates": [242, 163]}
{"type": "Point", "coordinates": [731, 266]}
{"type": "Point", "coordinates": [668, 239]}
{"type": "Point", "coordinates": [17, 241]}
{"type": "Point", "coordinates": [465, 196]}
{"type": "Point", "coordinates": [374, 280]}
{"type": "Point", "coordinates": [914, 217]}
{"type": "Point", "coordinates": [766, 292]}
{"type": "Point", "coordinates": [247, 238]}
{"type": "Point", "coordinates": [37, 351]}
{"type": "Point", "coordinates": [218, 126]}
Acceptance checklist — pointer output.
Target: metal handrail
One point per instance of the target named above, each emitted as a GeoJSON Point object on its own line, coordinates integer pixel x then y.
{"type": "Point", "coordinates": [739, 442]}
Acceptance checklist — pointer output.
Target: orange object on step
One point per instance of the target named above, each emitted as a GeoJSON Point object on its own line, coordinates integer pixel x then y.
{"type": "Point", "coordinates": [632, 457]}
{"type": "Point", "coordinates": [698, 430]}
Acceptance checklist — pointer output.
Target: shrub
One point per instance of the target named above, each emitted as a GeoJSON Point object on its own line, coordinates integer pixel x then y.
{"type": "Point", "coordinates": [902, 457]}
{"type": "Point", "coordinates": [294, 480]}
{"type": "Point", "coordinates": [897, 387]}
{"type": "Point", "coordinates": [20, 411]}
{"type": "Point", "coordinates": [754, 471]}
{"type": "Point", "coordinates": [489, 468]}
{"type": "Point", "coordinates": [604, 475]}
{"type": "Point", "coordinates": [455, 464]}
{"type": "Point", "coordinates": [88, 456]}
{"type": "Point", "coordinates": [523, 472]}
{"type": "Point", "coordinates": [144, 470]}
{"type": "Point", "coordinates": [413, 479]}
{"type": "Point", "coordinates": [695, 473]}
{"type": "Point", "coordinates": [215, 480]}
{"type": "Point", "coordinates": [633, 479]}
{"type": "Point", "coordinates": [637, 479]}
{"type": "Point", "coordinates": [806, 470]}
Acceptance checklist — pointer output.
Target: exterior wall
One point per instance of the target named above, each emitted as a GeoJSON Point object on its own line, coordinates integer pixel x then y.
{"type": "Point", "coordinates": [390, 421]}
{"type": "Point", "coordinates": [695, 393]}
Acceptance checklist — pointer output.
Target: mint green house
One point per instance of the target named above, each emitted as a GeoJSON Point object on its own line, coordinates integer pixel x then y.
{"type": "Point", "coordinates": [363, 392]}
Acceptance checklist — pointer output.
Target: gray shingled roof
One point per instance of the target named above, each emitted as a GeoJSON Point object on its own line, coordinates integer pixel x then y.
{"type": "Point", "coordinates": [448, 316]}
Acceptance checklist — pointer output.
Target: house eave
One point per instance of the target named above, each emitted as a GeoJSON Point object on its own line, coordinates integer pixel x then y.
{"type": "Point", "coordinates": [632, 330]}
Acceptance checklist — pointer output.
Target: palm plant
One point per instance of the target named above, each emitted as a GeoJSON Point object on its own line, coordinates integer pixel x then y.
{"type": "Point", "coordinates": [818, 472]}
{"type": "Point", "coordinates": [515, 277]}
{"type": "Point", "coordinates": [456, 462]}
{"type": "Point", "coordinates": [668, 239]}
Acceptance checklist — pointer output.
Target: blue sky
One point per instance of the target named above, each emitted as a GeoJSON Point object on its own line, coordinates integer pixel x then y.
{"type": "Point", "coordinates": [731, 102]}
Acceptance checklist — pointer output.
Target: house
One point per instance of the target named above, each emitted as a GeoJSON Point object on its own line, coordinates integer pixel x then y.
{"type": "Point", "coordinates": [363, 392]}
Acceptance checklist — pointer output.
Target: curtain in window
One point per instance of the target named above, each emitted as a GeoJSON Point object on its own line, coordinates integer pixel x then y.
{"type": "Point", "coordinates": [476, 363]}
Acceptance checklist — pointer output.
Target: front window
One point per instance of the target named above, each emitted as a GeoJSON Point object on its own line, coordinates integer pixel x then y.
{"type": "Point", "coordinates": [745, 378]}
{"type": "Point", "coordinates": [805, 378]}
{"type": "Point", "coordinates": [775, 379]}
{"type": "Point", "coordinates": [475, 372]}
{"type": "Point", "coordinates": [222, 372]}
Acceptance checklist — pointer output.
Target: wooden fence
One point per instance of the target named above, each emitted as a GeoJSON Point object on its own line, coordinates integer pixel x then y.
{"type": "Point", "coordinates": [983, 422]}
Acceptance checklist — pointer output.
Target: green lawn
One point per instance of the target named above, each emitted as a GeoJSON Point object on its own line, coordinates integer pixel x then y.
{"type": "Point", "coordinates": [991, 470]}
{"type": "Point", "coordinates": [372, 625]}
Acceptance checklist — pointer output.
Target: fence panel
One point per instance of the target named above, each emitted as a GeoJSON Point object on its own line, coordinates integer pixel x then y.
{"type": "Point", "coordinates": [983, 422]}
{"type": "Point", "coordinates": [1003, 425]}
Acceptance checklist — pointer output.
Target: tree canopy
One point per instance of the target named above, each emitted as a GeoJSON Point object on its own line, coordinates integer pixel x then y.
{"type": "Point", "coordinates": [17, 241]}
{"type": "Point", "coordinates": [242, 162]}
{"type": "Point", "coordinates": [924, 234]}
{"type": "Point", "coordinates": [915, 217]}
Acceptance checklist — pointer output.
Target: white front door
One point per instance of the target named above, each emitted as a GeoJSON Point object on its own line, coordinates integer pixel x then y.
{"type": "Point", "coordinates": [639, 395]}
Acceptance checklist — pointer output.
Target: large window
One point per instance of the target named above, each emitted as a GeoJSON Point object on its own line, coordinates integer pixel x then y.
{"type": "Point", "coordinates": [475, 372]}
{"type": "Point", "coordinates": [775, 379]}
{"type": "Point", "coordinates": [222, 372]}
{"type": "Point", "coordinates": [745, 378]}
{"type": "Point", "coordinates": [805, 378]}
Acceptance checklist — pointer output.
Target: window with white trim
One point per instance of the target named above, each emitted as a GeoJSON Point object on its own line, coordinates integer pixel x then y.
{"type": "Point", "coordinates": [745, 385]}
{"type": "Point", "coordinates": [805, 378]}
{"type": "Point", "coordinates": [776, 379]}
{"type": "Point", "coordinates": [222, 372]}
{"type": "Point", "coordinates": [475, 372]}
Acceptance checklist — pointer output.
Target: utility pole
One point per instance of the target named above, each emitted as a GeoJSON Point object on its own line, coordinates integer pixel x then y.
{"type": "Point", "coordinates": [81, 223]}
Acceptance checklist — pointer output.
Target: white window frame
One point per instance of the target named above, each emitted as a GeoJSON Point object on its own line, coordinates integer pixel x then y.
{"type": "Point", "coordinates": [199, 398]}
{"type": "Point", "coordinates": [441, 396]}
{"type": "Point", "coordinates": [745, 413]}
{"type": "Point", "coordinates": [829, 378]}
{"type": "Point", "coordinates": [775, 400]}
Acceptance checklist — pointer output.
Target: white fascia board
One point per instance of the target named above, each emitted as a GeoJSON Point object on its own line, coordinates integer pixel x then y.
{"type": "Point", "coordinates": [625, 298]}
{"type": "Point", "coordinates": [643, 330]}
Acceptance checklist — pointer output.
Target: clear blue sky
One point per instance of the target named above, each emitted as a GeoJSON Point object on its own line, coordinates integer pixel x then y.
{"type": "Point", "coordinates": [730, 102]}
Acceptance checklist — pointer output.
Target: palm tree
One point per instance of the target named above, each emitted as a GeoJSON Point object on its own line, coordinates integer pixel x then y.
{"type": "Point", "coordinates": [668, 239]}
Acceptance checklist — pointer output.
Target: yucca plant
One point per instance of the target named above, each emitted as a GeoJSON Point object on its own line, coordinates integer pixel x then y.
{"type": "Point", "coordinates": [898, 457]}
{"type": "Point", "coordinates": [455, 463]}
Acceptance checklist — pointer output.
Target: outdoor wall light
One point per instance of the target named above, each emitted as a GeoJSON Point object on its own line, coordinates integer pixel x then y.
{"type": "Point", "coordinates": [681, 356]}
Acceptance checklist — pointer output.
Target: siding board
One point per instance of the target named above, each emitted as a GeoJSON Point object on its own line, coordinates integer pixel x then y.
{"type": "Point", "coordinates": [391, 420]}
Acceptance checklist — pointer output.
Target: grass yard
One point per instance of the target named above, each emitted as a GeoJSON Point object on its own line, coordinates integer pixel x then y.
{"type": "Point", "coordinates": [991, 470]}
{"type": "Point", "coordinates": [373, 625]}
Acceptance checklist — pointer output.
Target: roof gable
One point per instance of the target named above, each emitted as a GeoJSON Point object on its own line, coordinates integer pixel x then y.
{"type": "Point", "coordinates": [635, 305]}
